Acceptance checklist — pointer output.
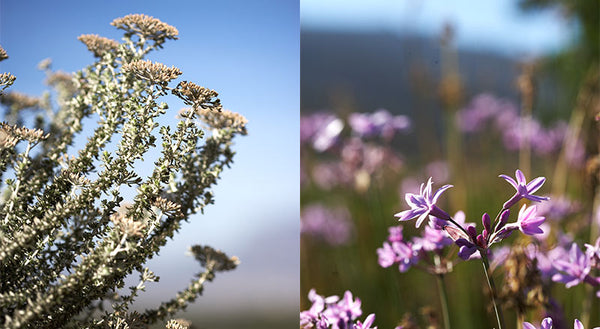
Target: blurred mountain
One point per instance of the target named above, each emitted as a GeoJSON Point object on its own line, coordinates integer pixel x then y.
{"type": "Point", "coordinates": [365, 71]}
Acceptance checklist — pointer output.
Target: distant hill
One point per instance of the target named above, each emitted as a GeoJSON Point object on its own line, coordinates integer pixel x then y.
{"type": "Point", "coordinates": [366, 71]}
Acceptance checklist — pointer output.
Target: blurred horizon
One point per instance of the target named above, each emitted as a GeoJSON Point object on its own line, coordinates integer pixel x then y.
{"type": "Point", "coordinates": [496, 26]}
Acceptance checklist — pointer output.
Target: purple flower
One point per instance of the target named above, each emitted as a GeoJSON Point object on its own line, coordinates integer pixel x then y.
{"type": "Point", "coordinates": [395, 233]}
{"type": "Point", "coordinates": [342, 314]}
{"type": "Point", "coordinates": [380, 123]}
{"type": "Point", "coordinates": [313, 317]}
{"type": "Point", "coordinates": [574, 268]}
{"type": "Point", "coordinates": [423, 204]}
{"type": "Point", "coordinates": [367, 324]}
{"type": "Point", "coordinates": [524, 190]}
{"type": "Point", "coordinates": [386, 255]}
{"type": "Point", "coordinates": [528, 221]}
{"type": "Point", "coordinates": [433, 239]}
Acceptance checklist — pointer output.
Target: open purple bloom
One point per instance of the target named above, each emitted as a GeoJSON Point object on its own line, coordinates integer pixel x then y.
{"type": "Point", "coordinates": [524, 190]}
{"type": "Point", "coordinates": [423, 204]}
{"type": "Point", "coordinates": [386, 255]}
{"type": "Point", "coordinates": [528, 220]}
{"type": "Point", "coordinates": [340, 315]}
{"type": "Point", "coordinates": [574, 268]}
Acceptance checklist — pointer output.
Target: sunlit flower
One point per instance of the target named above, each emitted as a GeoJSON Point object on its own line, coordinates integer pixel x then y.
{"type": "Point", "coordinates": [574, 267]}
{"type": "Point", "coordinates": [524, 190]}
{"type": "Point", "coordinates": [423, 204]}
{"type": "Point", "coordinates": [528, 221]}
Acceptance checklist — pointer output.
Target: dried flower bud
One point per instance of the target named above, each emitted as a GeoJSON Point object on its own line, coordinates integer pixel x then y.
{"type": "Point", "coordinates": [6, 139]}
{"type": "Point", "coordinates": [18, 101]}
{"type": "Point", "coordinates": [197, 96]}
{"type": "Point", "coordinates": [6, 79]}
{"type": "Point", "coordinates": [10, 132]}
{"type": "Point", "coordinates": [224, 119]}
{"type": "Point", "coordinates": [154, 72]}
{"type": "Point", "coordinates": [77, 179]}
{"type": "Point", "coordinates": [146, 27]}
{"type": "Point", "coordinates": [207, 256]}
{"type": "Point", "coordinates": [3, 54]}
{"type": "Point", "coordinates": [126, 224]}
{"type": "Point", "coordinates": [179, 324]}
{"type": "Point", "coordinates": [97, 44]}
{"type": "Point", "coordinates": [167, 206]}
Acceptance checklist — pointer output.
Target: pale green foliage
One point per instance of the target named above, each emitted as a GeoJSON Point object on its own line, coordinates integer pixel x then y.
{"type": "Point", "coordinates": [67, 239]}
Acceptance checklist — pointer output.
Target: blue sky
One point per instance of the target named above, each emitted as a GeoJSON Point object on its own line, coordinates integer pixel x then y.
{"type": "Point", "coordinates": [248, 51]}
{"type": "Point", "coordinates": [489, 25]}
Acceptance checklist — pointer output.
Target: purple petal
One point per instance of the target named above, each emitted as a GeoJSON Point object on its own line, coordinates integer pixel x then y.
{"type": "Point", "coordinates": [578, 325]}
{"type": "Point", "coordinates": [408, 214]}
{"type": "Point", "coordinates": [427, 192]}
{"type": "Point", "coordinates": [421, 219]}
{"type": "Point", "coordinates": [439, 192]}
{"type": "Point", "coordinates": [527, 325]}
{"type": "Point", "coordinates": [536, 198]}
{"type": "Point", "coordinates": [510, 181]}
{"type": "Point", "coordinates": [520, 177]}
{"type": "Point", "coordinates": [411, 199]}
{"type": "Point", "coordinates": [526, 212]}
{"type": "Point", "coordinates": [369, 321]}
{"type": "Point", "coordinates": [535, 184]}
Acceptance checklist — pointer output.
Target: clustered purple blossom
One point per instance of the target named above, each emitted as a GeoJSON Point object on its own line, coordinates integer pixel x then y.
{"type": "Point", "coordinates": [322, 130]}
{"type": "Point", "coordinates": [547, 324]}
{"type": "Point", "coordinates": [486, 109]}
{"type": "Point", "coordinates": [423, 206]}
{"type": "Point", "coordinates": [406, 253]}
{"type": "Point", "coordinates": [333, 225]}
{"type": "Point", "coordinates": [355, 157]}
{"type": "Point", "coordinates": [380, 123]}
{"type": "Point", "coordinates": [565, 263]}
{"type": "Point", "coordinates": [574, 267]}
{"type": "Point", "coordinates": [333, 313]}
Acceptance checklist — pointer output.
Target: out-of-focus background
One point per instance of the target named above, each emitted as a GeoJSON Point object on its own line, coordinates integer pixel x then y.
{"type": "Point", "coordinates": [394, 92]}
{"type": "Point", "coordinates": [248, 51]}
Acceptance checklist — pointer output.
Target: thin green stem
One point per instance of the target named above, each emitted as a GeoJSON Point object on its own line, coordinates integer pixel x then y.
{"type": "Point", "coordinates": [443, 299]}
{"type": "Point", "coordinates": [490, 281]}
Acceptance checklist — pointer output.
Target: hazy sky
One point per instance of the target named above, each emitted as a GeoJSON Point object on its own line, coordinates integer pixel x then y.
{"type": "Point", "coordinates": [248, 51]}
{"type": "Point", "coordinates": [496, 25]}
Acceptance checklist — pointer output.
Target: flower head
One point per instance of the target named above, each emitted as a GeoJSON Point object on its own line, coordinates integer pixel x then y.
{"type": "Point", "coordinates": [528, 221]}
{"type": "Point", "coordinates": [524, 190]}
{"type": "Point", "coordinates": [423, 204]}
{"type": "Point", "coordinates": [98, 45]}
{"type": "Point", "coordinates": [575, 268]}
{"type": "Point", "coordinates": [154, 72]}
{"type": "Point", "coordinates": [146, 27]}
